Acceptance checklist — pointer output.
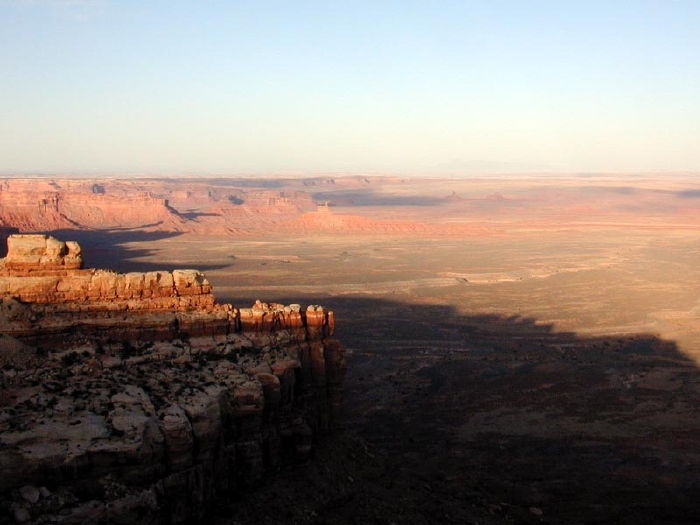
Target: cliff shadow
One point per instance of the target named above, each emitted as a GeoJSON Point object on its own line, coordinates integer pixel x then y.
{"type": "Point", "coordinates": [509, 414]}
{"type": "Point", "coordinates": [105, 249]}
{"type": "Point", "coordinates": [194, 215]}
{"type": "Point", "coordinates": [370, 197]}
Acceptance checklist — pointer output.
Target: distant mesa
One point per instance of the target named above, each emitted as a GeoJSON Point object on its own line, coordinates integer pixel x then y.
{"type": "Point", "coordinates": [495, 197]}
{"type": "Point", "coordinates": [212, 207]}
{"type": "Point", "coordinates": [453, 197]}
{"type": "Point", "coordinates": [39, 206]}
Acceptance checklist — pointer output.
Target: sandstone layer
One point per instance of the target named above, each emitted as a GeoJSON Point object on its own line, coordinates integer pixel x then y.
{"type": "Point", "coordinates": [486, 206]}
{"type": "Point", "coordinates": [136, 397]}
{"type": "Point", "coordinates": [210, 207]}
{"type": "Point", "coordinates": [42, 205]}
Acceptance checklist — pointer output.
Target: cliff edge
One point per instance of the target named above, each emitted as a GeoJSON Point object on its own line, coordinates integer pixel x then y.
{"type": "Point", "coordinates": [136, 397]}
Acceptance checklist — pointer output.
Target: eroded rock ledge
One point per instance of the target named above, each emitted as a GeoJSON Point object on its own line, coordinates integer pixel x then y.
{"type": "Point", "coordinates": [136, 397]}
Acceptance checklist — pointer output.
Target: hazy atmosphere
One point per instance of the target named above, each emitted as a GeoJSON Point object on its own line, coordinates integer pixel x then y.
{"type": "Point", "coordinates": [389, 86]}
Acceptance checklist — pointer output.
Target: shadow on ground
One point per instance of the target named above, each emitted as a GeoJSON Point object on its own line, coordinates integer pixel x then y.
{"type": "Point", "coordinates": [105, 249]}
{"type": "Point", "coordinates": [371, 198]}
{"type": "Point", "coordinates": [452, 418]}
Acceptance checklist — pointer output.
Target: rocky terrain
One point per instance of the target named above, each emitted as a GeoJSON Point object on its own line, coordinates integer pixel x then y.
{"type": "Point", "coordinates": [137, 398]}
{"type": "Point", "coordinates": [343, 205]}
{"type": "Point", "coordinates": [520, 350]}
{"type": "Point", "coordinates": [43, 205]}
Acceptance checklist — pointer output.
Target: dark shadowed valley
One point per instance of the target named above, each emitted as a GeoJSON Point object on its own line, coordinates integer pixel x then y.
{"type": "Point", "coordinates": [518, 350]}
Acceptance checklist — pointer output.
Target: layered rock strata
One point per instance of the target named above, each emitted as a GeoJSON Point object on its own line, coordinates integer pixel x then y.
{"type": "Point", "coordinates": [45, 205]}
{"type": "Point", "coordinates": [143, 399]}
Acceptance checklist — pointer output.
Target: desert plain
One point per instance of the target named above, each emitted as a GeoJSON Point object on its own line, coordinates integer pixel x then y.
{"type": "Point", "coordinates": [521, 349]}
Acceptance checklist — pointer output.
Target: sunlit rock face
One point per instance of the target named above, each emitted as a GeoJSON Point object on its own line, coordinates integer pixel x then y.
{"type": "Point", "coordinates": [27, 253]}
{"type": "Point", "coordinates": [136, 396]}
{"type": "Point", "coordinates": [46, 205]}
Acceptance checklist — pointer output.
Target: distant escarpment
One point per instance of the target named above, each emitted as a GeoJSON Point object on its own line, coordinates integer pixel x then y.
{"type": "Point", "coordinates": [137, 398]}
{"type": "Point", "coordinates": [44, 205]}
{"type": "Point", "coordinates": [222, 207]}
{"type": "Point", "coordinates": [40, 205]}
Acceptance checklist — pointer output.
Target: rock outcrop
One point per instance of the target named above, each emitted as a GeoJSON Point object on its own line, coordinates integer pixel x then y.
{"type": "Point", "coordinates": [222, 207]}
{"type": "Point", "coordinates": [34, 205]}
{"type": "Point", "coordinates": [136, 397]}
{"type": "Point", "coordinates": [31, 253]}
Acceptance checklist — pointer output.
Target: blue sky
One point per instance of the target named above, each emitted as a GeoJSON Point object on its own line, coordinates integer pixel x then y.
{"type": "Point", "coordinates": [120, 86]}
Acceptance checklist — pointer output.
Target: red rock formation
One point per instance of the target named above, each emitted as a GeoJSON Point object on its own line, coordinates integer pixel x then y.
{"type": "Point", "coordinates": [41, 269]}
{"type": "Point", "coordinates": [263, 317]}
{"type": "Point", "coordinates": [144, 399]}
{"type": "Point", "coordinates": [27, 253]}
{"type": "Point", "coordinates": [213, 207]}
{"type": "Point", "coordinates": [42, 205]}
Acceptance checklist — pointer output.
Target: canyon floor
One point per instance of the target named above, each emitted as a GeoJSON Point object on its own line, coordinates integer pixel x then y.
{"type": "Point", "coordinates": [519, 351]}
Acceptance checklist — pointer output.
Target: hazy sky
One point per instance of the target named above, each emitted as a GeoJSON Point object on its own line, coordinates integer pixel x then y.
{"type": "Point", "coordinates": [358, 86]}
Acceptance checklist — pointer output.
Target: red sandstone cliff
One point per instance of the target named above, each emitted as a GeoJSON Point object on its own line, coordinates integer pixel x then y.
{"type": "Point", "coordinates": [41, 205]}
{"type": "Point", "coordinates": [142, 398]}
{"type": "Point", "coordinates": [37, 205]}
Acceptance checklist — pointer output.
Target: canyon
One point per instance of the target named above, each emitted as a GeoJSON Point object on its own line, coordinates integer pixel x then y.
{"type": "Point", "coordinates": [519, 349]}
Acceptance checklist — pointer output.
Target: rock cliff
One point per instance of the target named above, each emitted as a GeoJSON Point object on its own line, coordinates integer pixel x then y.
{"type": "Point", "coordinates": [45, 205]}
{"type": "Point", "coordinates": [136, 397]}
{"type": "Point", "coordinates": [205, 207]}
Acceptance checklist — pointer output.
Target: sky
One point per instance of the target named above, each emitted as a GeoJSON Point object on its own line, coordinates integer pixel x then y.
{"type": "Point", "coordinates": [410, 87]}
